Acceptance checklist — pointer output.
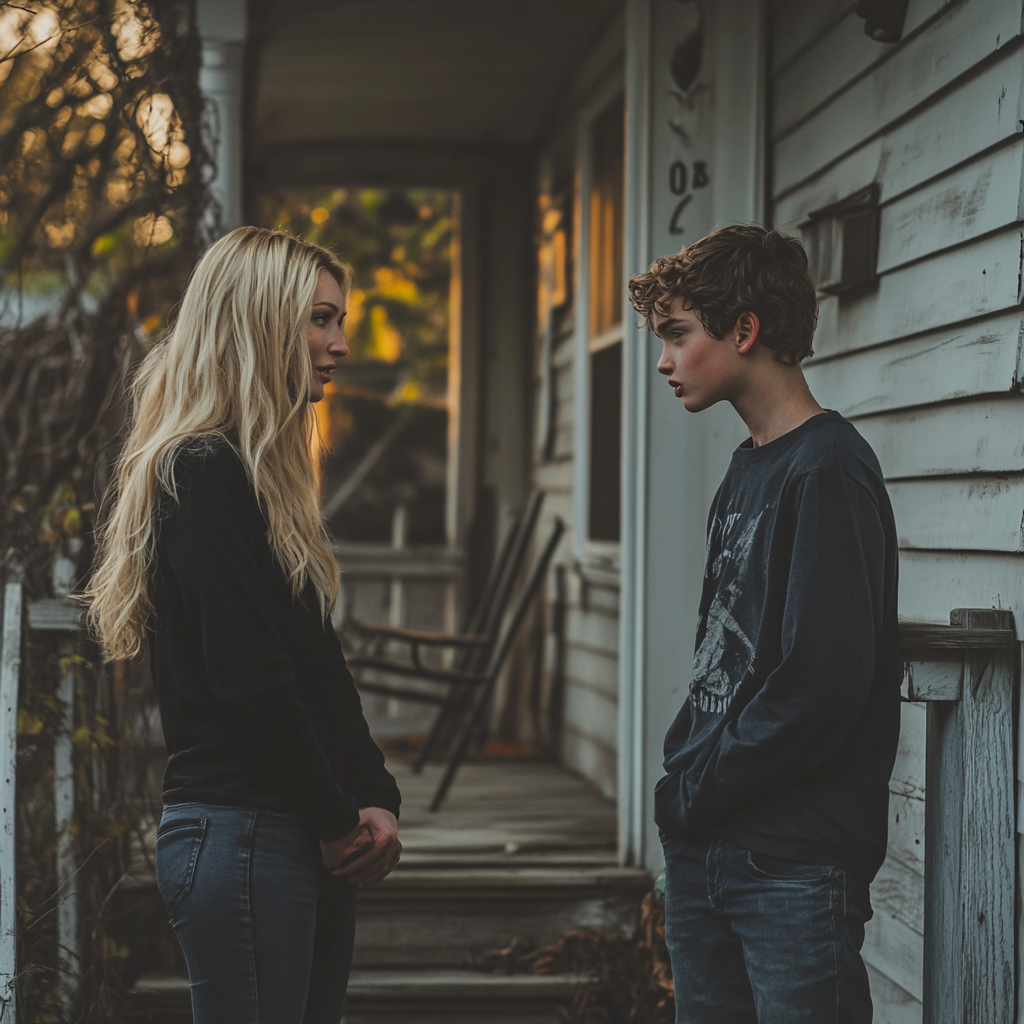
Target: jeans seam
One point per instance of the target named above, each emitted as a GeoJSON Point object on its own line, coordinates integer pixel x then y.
{"type": "Point", "coordinates": [759, 872]}
{"type": "Point", "coordinates": [836, 882]}
{"type": "Point", "coordinates": [250, 916]}
{"type": "Point", "coordinates": [712, 879]}
{"type": "Point", "coordinates": [190, 872]}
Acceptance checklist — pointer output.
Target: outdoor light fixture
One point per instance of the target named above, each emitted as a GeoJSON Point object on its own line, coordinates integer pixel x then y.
{"type": "Point", "coordinates": [883, 19]}
{"type": "Point", "coordinates": [842, 243]}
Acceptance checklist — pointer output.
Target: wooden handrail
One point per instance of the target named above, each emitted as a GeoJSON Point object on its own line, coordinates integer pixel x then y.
{"type": "Point", "coordinates": [924, 636]}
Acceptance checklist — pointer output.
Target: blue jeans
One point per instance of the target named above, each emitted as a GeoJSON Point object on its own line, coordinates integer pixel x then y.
{"type": "Point", "coordinates": [266, 931]}
{"type": "Point", "coordinates": [755, 939]}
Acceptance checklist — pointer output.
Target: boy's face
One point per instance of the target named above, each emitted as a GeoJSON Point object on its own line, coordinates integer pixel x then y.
{"type": "Point", "coordinates": [702, 370]}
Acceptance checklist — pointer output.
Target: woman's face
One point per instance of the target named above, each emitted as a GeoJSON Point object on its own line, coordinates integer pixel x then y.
{"type": "Point", "coordinates": [325, 335]}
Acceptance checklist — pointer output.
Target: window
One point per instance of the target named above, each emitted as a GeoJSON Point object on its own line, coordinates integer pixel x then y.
{"type": "Point", "coordinates": [605, 421]}
{"type": "Point", "coordinates": [604, 328]}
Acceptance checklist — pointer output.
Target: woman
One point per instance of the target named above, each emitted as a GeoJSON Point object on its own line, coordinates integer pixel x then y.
{"type": "Point", "coordinates": [277, 804]}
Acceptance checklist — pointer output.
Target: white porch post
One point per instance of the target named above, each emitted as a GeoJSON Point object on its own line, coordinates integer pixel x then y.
{"type": "Point", "coordinates": [10, 669]}
{"type": "Point", "coordinates": [635, 372]}
{"type": "Point", "coordinates": [69, 952]}
{"type": "Point", "coordinates": [222, 27]}
{"type": "Point", "coordinates": [694, 156]}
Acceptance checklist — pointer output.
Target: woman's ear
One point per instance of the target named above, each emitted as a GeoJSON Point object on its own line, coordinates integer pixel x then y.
{"type": "Point", "coordinates": [746, 332]}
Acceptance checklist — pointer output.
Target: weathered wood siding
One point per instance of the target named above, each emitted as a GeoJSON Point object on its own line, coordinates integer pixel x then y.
{"type": "Point", "coordinates": [582, 660]}
{"type": "Point", "coordinates": [929, 365]}
{"type": "Point", "coordinates": [582, 649]}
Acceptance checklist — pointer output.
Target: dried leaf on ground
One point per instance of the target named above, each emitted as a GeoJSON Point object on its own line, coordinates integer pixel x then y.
{"type": "Point", "coordinates": [632, 975]}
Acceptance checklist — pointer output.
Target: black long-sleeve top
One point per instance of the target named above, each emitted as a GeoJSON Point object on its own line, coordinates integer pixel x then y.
{"type": "Point", "coordinates": [257, 705]}
{"type": "Point", "coordinates": [787, 740]}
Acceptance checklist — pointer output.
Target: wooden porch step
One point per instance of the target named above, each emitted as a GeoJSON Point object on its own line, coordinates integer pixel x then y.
{"type": "Point", "coordinates": [510, 881]}
{"type": "Point", "coordinates": [400, 997]}
{"type": "Point", "coordinates": [447, 996]}
{"type": "Point", "coordinates": [503, 859]}
{"type": "Point", "coordinates": [445, 917]}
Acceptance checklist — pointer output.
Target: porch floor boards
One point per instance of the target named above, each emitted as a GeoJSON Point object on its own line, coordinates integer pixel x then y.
{"type": "Point", "coordinates": [513, 811]}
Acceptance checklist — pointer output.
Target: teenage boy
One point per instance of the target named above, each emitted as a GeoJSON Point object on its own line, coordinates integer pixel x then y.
{"type": "Point", "coordinates": [773, 811]}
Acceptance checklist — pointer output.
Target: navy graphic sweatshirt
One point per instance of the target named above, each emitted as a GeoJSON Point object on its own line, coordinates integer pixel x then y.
{"type": "Point", "coordinates": [787, 740]}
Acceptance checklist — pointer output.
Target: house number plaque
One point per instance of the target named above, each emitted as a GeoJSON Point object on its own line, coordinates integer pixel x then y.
{"type": "Point", "coordinates": [679, 183]}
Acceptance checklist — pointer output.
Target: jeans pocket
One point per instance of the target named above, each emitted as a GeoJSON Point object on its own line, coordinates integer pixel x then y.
{"type": "Point", "coordinates": [178, 843]}
{"type": "Point", "coordinates": [778, 869]}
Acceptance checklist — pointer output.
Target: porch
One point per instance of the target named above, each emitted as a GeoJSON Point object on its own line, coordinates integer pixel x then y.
{"type": "Point", "coordinates": [582, 139]}
{"type": "Point", "coordinates": [522, 851]}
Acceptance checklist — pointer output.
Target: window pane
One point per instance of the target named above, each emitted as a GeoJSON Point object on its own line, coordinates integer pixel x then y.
{"type": "Point", "coordinates": [605, 420]}
{"type": "Point", "coordinates": [607, 181]}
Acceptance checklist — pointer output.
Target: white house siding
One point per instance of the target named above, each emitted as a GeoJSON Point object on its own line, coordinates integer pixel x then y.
{"type": "Point", "coordinates": [929, 364]}
{"type": "Point", "coordinates": [581, 663]}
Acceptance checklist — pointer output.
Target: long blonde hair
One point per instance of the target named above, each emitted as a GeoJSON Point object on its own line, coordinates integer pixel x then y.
{"type": "Point", "coordinates": [235, 364]}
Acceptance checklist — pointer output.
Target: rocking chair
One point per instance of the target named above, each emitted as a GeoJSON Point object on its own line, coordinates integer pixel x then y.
{"type": "Point", "coordinates": [473, 647]}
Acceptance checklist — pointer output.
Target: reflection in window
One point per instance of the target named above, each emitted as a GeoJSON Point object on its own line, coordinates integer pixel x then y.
{"type": "Point", "coordinates": [607, 183]}
{"type": "Point", "coordinates": [605, 420]}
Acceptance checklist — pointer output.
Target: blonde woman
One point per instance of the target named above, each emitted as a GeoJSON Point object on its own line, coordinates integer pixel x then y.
{"type": "Point", "coordinates": [277, 804]}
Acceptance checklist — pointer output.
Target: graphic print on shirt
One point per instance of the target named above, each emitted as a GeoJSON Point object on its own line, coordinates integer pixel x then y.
{"type": "Point", "coordinates": [728, 628]}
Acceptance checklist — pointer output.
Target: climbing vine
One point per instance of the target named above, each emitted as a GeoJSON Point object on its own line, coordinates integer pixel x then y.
{"type": "Point", "coordinates": [103, 192]}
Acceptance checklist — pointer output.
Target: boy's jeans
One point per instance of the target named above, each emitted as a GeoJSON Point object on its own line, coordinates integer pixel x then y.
{"type": "Point", "coordinates": [759, 940]}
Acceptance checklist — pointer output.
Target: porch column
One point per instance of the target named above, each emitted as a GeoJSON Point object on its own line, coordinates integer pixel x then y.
{"type": "Point", "coordinates": [222, 27]}
{"type": "Point", "coordinates": [694, 156]}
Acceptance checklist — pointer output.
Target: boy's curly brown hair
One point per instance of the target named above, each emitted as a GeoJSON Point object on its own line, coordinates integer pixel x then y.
{"type": "Point", "coordinates": [737, 269]}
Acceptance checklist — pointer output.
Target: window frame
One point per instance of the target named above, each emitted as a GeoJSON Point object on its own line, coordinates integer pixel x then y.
{"type": "Point", "coordinates": [602, 555]}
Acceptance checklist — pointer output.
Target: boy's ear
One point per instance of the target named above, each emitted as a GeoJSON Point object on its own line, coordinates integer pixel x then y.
{"type": "Point", "coordinates": [747, 330]}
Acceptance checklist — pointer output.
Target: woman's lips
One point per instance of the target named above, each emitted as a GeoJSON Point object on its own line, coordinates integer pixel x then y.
{"type": "Point", "coordinates": [325, 376]}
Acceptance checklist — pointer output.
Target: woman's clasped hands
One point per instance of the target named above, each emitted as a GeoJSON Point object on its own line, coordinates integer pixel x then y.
{"type": "Point", "coordinates": [369, 853]}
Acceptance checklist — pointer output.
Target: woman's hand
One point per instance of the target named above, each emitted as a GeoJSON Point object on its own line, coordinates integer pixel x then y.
{"type": "Point", "coordinates": [367, 854]}
{"type": "Point", "coordinates": [334, 852]}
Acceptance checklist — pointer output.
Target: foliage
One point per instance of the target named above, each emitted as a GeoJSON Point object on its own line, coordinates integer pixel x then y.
{"type": "Point", "coordinates": [102, 192]}
{"type": "Point", "coordinates": [100, 197]}
{"type": "Point", "coordinates": [398, 244]}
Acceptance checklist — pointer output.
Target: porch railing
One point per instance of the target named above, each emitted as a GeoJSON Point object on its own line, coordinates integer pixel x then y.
{"type": "Point", "coordinates": [966, 672]}
{"type": "Point", "coordinates": [402, 587]}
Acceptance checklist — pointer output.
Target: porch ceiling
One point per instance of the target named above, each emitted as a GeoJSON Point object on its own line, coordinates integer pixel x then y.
{"type": "Point", "coordinates": [419, 71]}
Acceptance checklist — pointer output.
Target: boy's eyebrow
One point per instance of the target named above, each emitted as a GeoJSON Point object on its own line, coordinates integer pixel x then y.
{"type": "Point", "coordinates": [665, 323]}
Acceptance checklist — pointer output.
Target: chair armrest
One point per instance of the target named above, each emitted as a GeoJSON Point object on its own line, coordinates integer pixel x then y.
{"type": "Point", "coordinates": [402, 668]}
{"type": "Point", "coordinates": [417, 636]}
